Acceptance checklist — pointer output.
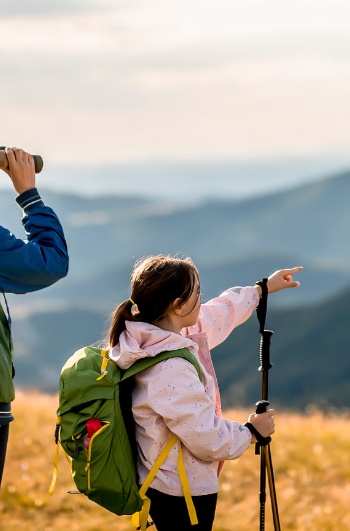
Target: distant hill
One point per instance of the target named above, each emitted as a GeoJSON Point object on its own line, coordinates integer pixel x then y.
{"type": "Point", "coordinates": [232, 243]}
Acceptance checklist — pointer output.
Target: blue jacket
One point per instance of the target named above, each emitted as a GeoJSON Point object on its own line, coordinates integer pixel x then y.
{"type": "Point", "coordinates": [41, 260]}
{"type": "Point", "coordinates": [27, 266]}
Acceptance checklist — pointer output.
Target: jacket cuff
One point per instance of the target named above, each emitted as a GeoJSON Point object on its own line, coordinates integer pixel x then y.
{"type": "Point", "coordinates": [28, 198]}
{"type": "Point", "coordinates": [5, 413]}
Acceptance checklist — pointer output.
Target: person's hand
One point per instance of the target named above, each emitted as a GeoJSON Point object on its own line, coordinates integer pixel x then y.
{"type": "Point", "coordinates": [21, 169]}
{"type": "Point", "coordinates": [263, 422]}
{"type": "Point", "coordinates": [281, 279]}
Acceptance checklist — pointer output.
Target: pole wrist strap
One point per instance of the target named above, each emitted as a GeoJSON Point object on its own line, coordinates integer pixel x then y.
{"type": "Point", "coordinates": [262, 308]}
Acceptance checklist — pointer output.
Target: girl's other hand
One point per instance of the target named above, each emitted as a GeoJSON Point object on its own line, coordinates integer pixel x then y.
{"type": "Point", "coordinates": [263, 422]}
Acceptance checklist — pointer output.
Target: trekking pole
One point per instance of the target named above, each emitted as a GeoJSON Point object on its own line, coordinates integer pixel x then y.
{"type": "Point", "coordinates": [264, 449]}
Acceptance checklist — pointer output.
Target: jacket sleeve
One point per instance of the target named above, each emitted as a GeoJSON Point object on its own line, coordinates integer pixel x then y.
{"type": "Point", "coordinates": [219, 316]}
{"type": "Point", "coordinates": [178, 396]}
{"type": "Point", "coordinates": [42, 259]}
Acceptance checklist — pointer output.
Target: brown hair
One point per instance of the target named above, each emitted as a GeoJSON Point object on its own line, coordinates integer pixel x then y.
{"type": "Point", "coordinates": [156, 281]}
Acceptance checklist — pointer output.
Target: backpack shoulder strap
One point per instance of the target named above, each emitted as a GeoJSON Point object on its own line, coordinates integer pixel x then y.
{"type": "Point", "coordinates": [6, 320]}
{"type": "Point", "coordinates": [145, 363]}
{"type": "Point", "coordinates": [140, 519]}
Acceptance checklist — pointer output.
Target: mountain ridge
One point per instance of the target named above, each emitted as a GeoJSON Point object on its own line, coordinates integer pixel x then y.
{"type": "Point", "coordinates": [232, 243]}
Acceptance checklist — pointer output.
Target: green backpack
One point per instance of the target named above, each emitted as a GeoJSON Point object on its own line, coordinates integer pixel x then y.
{"type": "Point", "coordinates": [7, 390]}
{"type": "Point", "coordinates": [103, 463]}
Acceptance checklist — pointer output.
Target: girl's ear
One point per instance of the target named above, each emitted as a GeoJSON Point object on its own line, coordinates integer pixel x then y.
{"type": "Point", "coordinates": [176, 306]}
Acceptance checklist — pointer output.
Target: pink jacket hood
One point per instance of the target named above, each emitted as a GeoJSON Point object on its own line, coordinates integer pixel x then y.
{"type": "Point", "coordinates": [142, 340]}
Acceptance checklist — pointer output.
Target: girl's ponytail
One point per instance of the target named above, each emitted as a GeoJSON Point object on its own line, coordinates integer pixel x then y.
{"type": "Point", "coordinates": [122, 313]}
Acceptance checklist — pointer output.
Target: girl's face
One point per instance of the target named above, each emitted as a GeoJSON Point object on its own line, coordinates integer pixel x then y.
{"type": "Point", "coordinates": [190, 309]}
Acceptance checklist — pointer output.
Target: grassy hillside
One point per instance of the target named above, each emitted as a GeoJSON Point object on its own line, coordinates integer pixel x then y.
{"type": "Point", "coordinates": [310, 455]}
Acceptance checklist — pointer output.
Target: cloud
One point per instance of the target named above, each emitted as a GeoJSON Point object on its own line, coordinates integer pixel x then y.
{"type": "Point", "coordinates": [43, 8]}
{"type": "Point", "coordinates": [176, 78]}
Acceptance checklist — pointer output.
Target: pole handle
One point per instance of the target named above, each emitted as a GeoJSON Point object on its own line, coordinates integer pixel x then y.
{"type": "Point", "coordinates": [4, 164]}
{"type": "Point", "coordinates": [264, 350]}
{"type": "Point", "coordinates": [261, 407]}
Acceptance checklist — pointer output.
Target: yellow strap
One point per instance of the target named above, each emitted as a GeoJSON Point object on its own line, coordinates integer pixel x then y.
{"type": "Point", "coordinates": [55, 459]}
{"type": "Point", "coordinates": [55, 470]}
{"type": "Point", "coordinates": [186, 488]}
{"type": "Point", "coordinates": [103, 364]}
{"type": "Point", "coordinates": [139, 519]}
{"type": "Point", "coordinates": [158, 463]}
{"type": "Point", "coordinates": [56, 456]}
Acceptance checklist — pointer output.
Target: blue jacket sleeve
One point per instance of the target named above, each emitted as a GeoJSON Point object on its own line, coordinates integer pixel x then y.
{"type": "Point", "coordinates": [42, 259]}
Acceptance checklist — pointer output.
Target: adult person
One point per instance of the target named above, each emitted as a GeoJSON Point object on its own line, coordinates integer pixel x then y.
{"type": "Point", "coordinates": [25, 266]}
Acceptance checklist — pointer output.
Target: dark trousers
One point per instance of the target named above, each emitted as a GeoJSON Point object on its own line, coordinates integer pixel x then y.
{"type": "Point", "coordinates": [169, 513]}
{"type": "Point", "coordinates": [4, 435]}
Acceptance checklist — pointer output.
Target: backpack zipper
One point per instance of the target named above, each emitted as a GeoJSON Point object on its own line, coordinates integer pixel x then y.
{"type": "Point", "coordinates": [89, 451]}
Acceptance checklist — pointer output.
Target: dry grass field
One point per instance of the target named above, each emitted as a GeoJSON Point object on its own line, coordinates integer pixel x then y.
{"type": "Point", "coordinates": [311, 461]}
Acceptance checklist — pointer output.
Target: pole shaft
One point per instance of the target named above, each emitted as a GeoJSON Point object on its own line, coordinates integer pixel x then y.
{"type": "Point", "coordinates": [272, 489]}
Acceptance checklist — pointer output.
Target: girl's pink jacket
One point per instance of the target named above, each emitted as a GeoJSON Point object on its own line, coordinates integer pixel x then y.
{"type": "Point", "coordinates": [169, 397]}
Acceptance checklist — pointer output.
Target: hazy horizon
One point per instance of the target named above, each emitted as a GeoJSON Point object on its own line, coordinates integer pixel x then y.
{"type": "Point", "coordinates": [187, 181]}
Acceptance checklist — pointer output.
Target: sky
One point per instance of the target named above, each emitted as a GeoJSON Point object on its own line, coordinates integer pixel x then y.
{"type": "Point", "coordinates": [92, 82]}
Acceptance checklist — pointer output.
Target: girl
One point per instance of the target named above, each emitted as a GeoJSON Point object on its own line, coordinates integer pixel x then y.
{"type": "Point", "coordinates": [165, 313]}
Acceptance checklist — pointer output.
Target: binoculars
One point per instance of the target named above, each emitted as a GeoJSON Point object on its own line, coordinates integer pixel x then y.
{"type": "Point", "coordinates": [38, 161]}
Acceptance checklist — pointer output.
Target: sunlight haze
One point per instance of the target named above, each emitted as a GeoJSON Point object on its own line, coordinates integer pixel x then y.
{"type": "Point", "coordinates": [104, 82]}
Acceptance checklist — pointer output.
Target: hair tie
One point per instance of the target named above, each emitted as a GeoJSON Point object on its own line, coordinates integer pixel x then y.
{"type": "Point", "coordinates": [134, 308]}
